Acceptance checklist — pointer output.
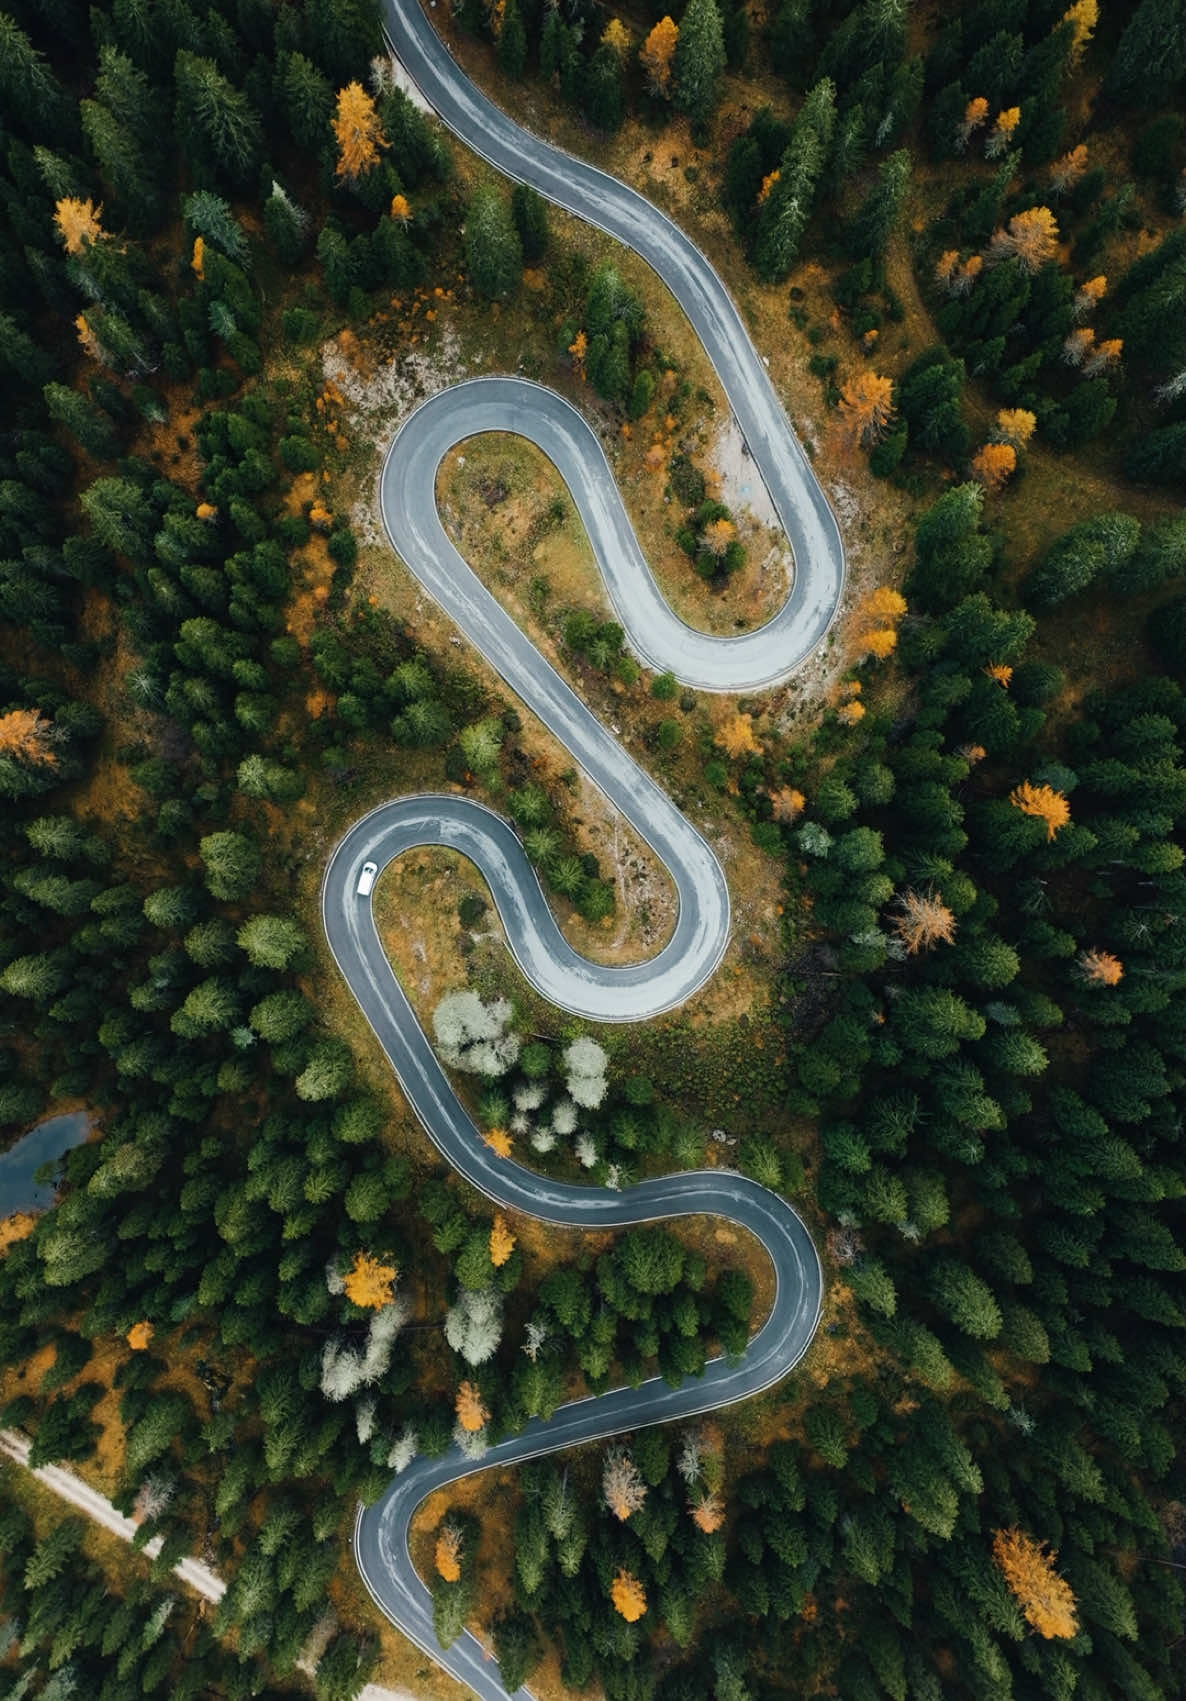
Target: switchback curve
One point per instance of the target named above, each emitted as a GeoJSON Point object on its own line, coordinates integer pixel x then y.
{"type": "Point", "coordinates": [593, 990]}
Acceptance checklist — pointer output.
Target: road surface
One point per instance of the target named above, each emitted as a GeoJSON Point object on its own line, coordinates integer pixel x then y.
{"type": "Point", "coordinates": [701, 934]}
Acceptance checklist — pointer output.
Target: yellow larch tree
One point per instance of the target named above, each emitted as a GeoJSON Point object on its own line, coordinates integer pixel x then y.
{"type": "Point", "coordinates": [971, 753]}
{"type": "Point", "coordinates": [1001, 672]}
{"type": "Point", "coordinates": [656, 56]}
{"type": "Point", "coordinates": [867, 407]}
{"type": "Point", "coordinates": [87, 337]}
{"type": "Point", "coordinates": [975, 113]}
{"type": "Point", "coordinates": [1030, 237]}
{"type": "Point", "coordinates": [1028, 1567]}
{"type": "Point", "coordinates": [25, 734]}
{"type": "Point", "coordinates": [617, 38]}
{"type": "Point", "coordinates": [370, 1282]}
{"type": "Point", "coordinates": [448, 1553]}
{"type": "Point", "coordinates": [579, 348]}
{"type": "Point", "coordinates": [735, 736]}
{"type": "Point", "coordinates": [881, 642]}
{"type": "Point", "coordinates": [768, 182]}
{"type": "Point", "coordinates": [1066, 172]}
{"type": "Point", "coordinates": [197, 261]}
{"type": "Point", "coordinates": [502, 1241]}
{"type": "Point", "coordinates": [78, 223]}
{"type": "Point", "coordinates": [1001, 133]}
{"type": "Point", "coordinates": [629, 1596]}
{"type": "Point", "coordinates": [883, 604]}
{"type": "Point", "coordinates": [923, 920]}
{"type": "Point", "coordinates": [359, 132]}
{"type": "Point", "coordinates": [1016, 426]}
{"type": "Point", "coordinates": [401, 209]}
{"type": "Point", "coordinates": [848, 714]}
{"type": "Point", "coordinates": [471, 1410]}
{"type": "Point", "coordinates": [139, 1335]}
{"type": "Point", "coordinates": [499, 1141]}
{"type": "Point", "coordinates": [1100, 967]}
{"type": "Point", "coordinates": [207, 511]}
{"type": "Point", "coordinates": [1084, 15]}
{"type": "Point", "coordinates": [995, 464]}
{"type": "Point", "coordinates": [717, 536]}
{"type": "Point", "coordinates": [1043, 802]}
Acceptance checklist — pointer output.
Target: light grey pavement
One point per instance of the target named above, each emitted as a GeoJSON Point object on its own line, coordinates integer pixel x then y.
{"type": "Point", "coordinates": [702, 929]}
{"type": "Point", "coordinates": [580, 188]}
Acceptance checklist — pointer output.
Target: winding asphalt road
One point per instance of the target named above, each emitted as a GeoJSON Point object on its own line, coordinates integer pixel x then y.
{"type": "Point", "coordinates": [591, 990]}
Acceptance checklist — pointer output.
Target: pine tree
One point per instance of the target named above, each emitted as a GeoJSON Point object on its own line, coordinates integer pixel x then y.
{"type": "Point", "coordinates": [784, 215]}
{"type": "Point", "coordinates": [307, 97]}
{"type": "Point", "coordinates": [494, 258]}
{"type": "Point", "coordinates": [1150, 60]}
{"type": "Point", "coordinates": [699, 60]}
{"type": "Point", "coordinates": [882, 208]}
{"type": "Point", "coordinates": [218, 121]}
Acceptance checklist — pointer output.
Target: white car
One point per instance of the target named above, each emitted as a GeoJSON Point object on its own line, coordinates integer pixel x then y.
{"type": "Point", "coordinates": [367, 879]}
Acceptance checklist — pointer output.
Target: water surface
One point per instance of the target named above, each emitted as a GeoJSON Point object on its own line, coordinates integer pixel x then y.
{"type": "Point", "coordinates": [46, 1143]}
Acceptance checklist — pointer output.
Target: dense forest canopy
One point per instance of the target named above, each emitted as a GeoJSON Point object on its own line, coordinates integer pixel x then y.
{"type": "Point", "coordinates": [258, 1296]}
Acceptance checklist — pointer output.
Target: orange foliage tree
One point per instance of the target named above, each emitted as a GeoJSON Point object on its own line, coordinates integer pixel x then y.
{"type": "Point", "coordinates": [1001, 672]}
{"type": "Point", "coordinates": [1030, 237]}
{"type": "Point", "coordinates": [25, 735]}
{"type": "Point", "coordinates": [579, 348]}
{"type": "Point", "coordinates": [1043, 802]}
{"type": "Point", "coordinates": [139, 1335]}
{"type": "Point", "coordinates": [1102, 356]}
{"type": "Point", "coordinates": [787, 804]}
{"type": "Point", "coordinates": [1029, 1569]}
{"type": "Point", "coordinates": [370, 1283]}
{"type": "Point", "coordinates": [448, 1553]}
{"type": "Point", "coordinates": [499, 1141]}
{"type": "Point", "coordinates": [867, 407]}
{"type": "Point", "coordinates": [401, 209]}
{"type": "Point", "coordinates": [1089, 295]}
{"type": "Point", "coordinates": [1066, 172]}
{"type": "Point", "coordinates": [1101, 967]}
{"type": "Point", "coordinates": [848, 714]}
{"type": "Point", "coordinates": [78, 223]}
{"type": "Point", "coordinates": [923, 920]}
{"type": "Point", "coordinates": [975, 114]}
{"type": "Point", "coordinates": [502, 1241]}
{"type": "Point", "coordinates": [629, 1597]}
{"type": "Point", "coordinates": [198, 259]}
{"type": "Point", "coordinates": [657, 54]}
{"type": "Point", "coordinates": [994, 464]}
{"type": "Point", "coordinates": [472, 1413]}
{"type": "Point", "coordinates": [359, 132]}
{"type": "Point", "coordinates": [708, 1513]}
{"type": "Point", "coordinates": [768, 182]}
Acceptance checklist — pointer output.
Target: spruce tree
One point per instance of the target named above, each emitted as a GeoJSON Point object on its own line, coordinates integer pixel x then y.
{"type": "Point", "coordinates": [699, 60]}
{"type": "Point", "coordinates": [493, 253]}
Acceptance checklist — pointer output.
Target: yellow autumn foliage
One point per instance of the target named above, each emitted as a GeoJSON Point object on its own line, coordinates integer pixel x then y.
{"type": "Point", "coordinates": [370, 1283]}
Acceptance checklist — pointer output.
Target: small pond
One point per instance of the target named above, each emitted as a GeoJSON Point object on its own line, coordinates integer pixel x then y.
{"type": "Point", "coordinates": [45, 1144]}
